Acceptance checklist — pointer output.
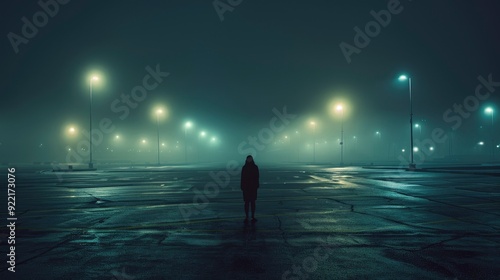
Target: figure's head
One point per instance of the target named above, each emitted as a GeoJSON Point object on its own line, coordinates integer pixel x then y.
{"type": "Point", "coordinates": [249, 159]}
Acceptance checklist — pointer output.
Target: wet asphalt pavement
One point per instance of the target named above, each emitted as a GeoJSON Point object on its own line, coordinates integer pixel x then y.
{"type": "Point", "coordinates": [314, 222]}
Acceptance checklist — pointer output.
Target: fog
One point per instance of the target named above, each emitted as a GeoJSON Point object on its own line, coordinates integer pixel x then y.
{"type": "Point", "coordinates": [250, 80]}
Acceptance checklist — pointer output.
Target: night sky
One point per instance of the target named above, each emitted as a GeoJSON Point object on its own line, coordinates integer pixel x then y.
{"type": "Point", "coordinates": [227, 76]}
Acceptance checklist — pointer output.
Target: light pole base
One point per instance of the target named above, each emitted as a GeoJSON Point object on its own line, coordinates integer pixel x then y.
{"type": "Point", "coordinates": [91, 165]}
{"type": "Point", "coordinates": [412, 166]}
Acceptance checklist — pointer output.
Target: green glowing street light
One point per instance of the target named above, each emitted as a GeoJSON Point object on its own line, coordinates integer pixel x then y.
{"type": "Point", "coordinates": [404, 78]}
{"type": "Point", "coordinates": [491, 112]}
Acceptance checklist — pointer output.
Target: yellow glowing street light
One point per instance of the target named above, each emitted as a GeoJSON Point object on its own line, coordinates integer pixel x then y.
{"type": "Point", "coordinates": [314, 140]}
{"type": "Point", "coordinates": [340, 108]}
{"type": "Point", "coordinates": [158, 113]}
{"type": "Point", "coordinates": [94, 78]}
{"type": "Point", "coordinates": [187, 125]}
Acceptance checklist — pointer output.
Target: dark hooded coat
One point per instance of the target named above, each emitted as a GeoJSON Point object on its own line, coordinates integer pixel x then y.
{"type": "Point", "coordinates": [249, 181]}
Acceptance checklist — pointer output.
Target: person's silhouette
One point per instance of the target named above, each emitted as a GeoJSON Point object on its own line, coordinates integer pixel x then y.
{"type": "Point", "coordinates": [249, 185]}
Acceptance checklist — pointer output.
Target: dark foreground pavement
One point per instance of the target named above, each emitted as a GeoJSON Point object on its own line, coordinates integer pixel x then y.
{"type": "Point", "coordinates": [314, 223]}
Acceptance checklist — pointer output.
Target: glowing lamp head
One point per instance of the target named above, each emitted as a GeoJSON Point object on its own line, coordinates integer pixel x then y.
{"type": "Point", "coordinates": [340, 108]}
{"type": "Point", "coordinates": [489, 110]}
{"type": "Point", "coordinates": [403, 78]}
{"type": "Point", "coordinates": [189, 124]}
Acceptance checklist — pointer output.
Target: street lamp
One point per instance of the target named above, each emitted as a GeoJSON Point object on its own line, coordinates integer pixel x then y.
{"type": "Point", "coordinates": [490, 111]}
{"type": "Point", "coordinates": [314, 140]}
{"type": "Point", "coordinates": [186, 126]}
{"type": "Point", "coordinates": [377, 146]}
{"type": "Point", "coordinates": [158, 113]}
{"type": "Point", "coordinates": [340, 108]}
{"type": "Point", "coordinates": [419, 128]}
{"type": "Point", "coordinates": [412, 165]}
{"type": "Point", "coordinates": [298, 145]}
{"type": "Point", "coordinates": [203, 134]}
{"type": "Point", "coordinates": [94, 78]}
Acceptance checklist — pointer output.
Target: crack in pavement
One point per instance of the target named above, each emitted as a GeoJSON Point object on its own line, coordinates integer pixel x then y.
{"type": "Point", "coordinates": [45, 252]}
{"type": "Point", "coordinates": [282, 231]}
{"type": "Point", "coordinates": [441, 242]}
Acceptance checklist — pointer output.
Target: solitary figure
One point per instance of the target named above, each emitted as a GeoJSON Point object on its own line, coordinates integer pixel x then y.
{"type": "Point", "coordinates": [249, 185]}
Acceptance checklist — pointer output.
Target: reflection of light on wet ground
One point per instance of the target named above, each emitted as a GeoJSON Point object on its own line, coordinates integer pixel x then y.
{"type": "Point", "coordinates": [363, 215]}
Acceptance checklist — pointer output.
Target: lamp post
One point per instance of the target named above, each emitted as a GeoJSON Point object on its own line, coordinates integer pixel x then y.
{"type": "Point", "coordinates": [340, 108]}
{"type": "Point", "coordinates": [377, 146]}
{"type": "Point", "coordinates": [490, 111]}
{"type": "Point", "coordinates": [94, 78]}
{"type": "Point", "coordinates": [298, 145]}
{"type": "Point", "coordinates": [419, 128]}
{"type": "Point", "coordinates": [412, 165]}
{"type": "Point", "coordinates": [286, 148]}
{"type": "Point", "coordinates": [158, 112]}
{"type": "Point", "coordinates": [202, 135]}
{"type": "Point", "coordinates": [186, 126]}
{"type": "Point", "coordinates": [314, 141]}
